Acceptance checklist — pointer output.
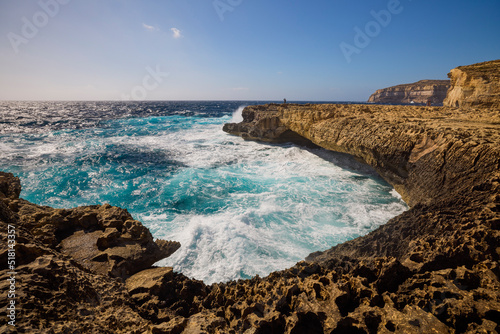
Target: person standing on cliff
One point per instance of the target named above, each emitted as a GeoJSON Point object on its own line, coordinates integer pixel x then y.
{"type": "Point", "coordinates": [429, 102]}
{"type": "Point", "coordinates": [284, 101]}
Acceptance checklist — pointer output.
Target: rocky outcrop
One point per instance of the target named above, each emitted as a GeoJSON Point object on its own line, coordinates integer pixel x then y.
{"type": "Point", "coordinates": [422, 152]}
{"type": "Point", "coordinates": [475, 85]}
{"type": "Point", "coordinates": [70, 264]}
{"type": "Point", "coordinates": [418, 92]}
{"type": "Point", "coordinates": [105, 240]}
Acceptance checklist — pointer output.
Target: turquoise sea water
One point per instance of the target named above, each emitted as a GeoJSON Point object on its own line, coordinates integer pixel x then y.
{"type": "Point", "coordinates": [238, 208]}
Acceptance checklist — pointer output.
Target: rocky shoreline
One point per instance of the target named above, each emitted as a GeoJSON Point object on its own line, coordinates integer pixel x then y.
{"type": "Point", "coordinates": [445, 164]}
{"type": "Point", "coordinates": [432, 269]}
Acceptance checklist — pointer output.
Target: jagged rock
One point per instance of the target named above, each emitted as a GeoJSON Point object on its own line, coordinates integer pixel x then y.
{"type": "Point", "coordinates": [149, 280]}
{"type": "Point", "coordinates": [10, 186]}
{"type": "Point", "coordinates": [418, 92]}
{"type": "Point", "coordinates": [175, 326]}
{"type": "Point", "coordinates": [268, 128]}
{"type": "Point", "coordinates": [63, 280]}
{"type": "Point", "coordinates": [475, 85]}
{"type": "Point", "coordinates": [55, 295]}
{"type": "Point", "coordinates": [103, 239]}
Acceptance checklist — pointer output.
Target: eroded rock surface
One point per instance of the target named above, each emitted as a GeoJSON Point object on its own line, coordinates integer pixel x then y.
{"type": "Point", "coordinates": [71, 265]}
{"type": "Point", "coordinates": [475, 85]}
{"type": "Point", "coordinates": [423, 270]}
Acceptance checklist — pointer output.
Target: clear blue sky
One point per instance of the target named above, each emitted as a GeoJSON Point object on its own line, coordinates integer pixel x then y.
{"type": "Point", "coordinates": [235, 49]}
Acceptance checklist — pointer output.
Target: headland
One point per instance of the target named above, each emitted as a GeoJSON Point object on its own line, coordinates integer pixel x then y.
{"type": "Point", "coordinates": [421, 92]}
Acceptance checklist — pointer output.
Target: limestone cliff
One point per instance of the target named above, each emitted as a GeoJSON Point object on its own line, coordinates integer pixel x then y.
{"type": "Point", "coordinates": [475, 85]}
{"type": "Point", "coordinates": [411, 147]}
{"type": "Point", "coordinates": [418, 92]}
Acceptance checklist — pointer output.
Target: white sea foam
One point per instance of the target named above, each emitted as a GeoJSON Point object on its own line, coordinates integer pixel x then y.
{"type": "Point", "coordinates": [397, 195]}
{"type": "Point", "coordinates": [239, 208]}
{"type": "Point", "coordinates": [304, 203]}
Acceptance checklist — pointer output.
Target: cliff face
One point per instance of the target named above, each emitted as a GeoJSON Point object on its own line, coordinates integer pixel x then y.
{"type": "Point", "coordinates": [475, 85]}
{"type": "Point", "coordinates": [413, 148]}
{"type": "Point", "coordinates": [418, 92]}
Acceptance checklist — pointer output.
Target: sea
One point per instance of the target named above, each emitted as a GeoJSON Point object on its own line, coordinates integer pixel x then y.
{"type": "Point", "coordinates": [239, 208]}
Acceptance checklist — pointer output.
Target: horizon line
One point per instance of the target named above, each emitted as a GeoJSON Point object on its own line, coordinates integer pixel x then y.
{"type": "Point", "coordinates": [194, 100]}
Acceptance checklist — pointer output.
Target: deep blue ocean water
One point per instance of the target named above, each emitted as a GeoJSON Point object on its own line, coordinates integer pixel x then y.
{"type": "Point", "coordinates": [238, 208]}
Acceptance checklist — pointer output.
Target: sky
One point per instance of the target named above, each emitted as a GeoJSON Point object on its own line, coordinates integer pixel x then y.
{"type": "Point", "coordinates": [322, 50]}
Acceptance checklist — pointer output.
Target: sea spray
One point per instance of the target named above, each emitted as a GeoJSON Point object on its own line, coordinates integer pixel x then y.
{"type": "Point", "coordinates": [238, 115]}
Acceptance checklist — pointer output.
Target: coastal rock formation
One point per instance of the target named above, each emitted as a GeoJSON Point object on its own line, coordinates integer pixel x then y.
{"type": "Point", "coordinates": [475, 85]}
{"type": "Point", "coordinates": [417, 92]}
{"type": "Point", "coordinates": [432, 269]}
{"type": "Point", "coordinates": [445, 163]}
{"type": "Point", "coordinates": [68, 265]}
{"type": "Point", "coordinates": [420, 143]}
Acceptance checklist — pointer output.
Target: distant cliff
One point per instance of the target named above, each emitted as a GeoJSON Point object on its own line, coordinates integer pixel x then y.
{"type": "Point", "coordinates": [476, 85]}
{"type": "Point", "coordinates": [418, 92]}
